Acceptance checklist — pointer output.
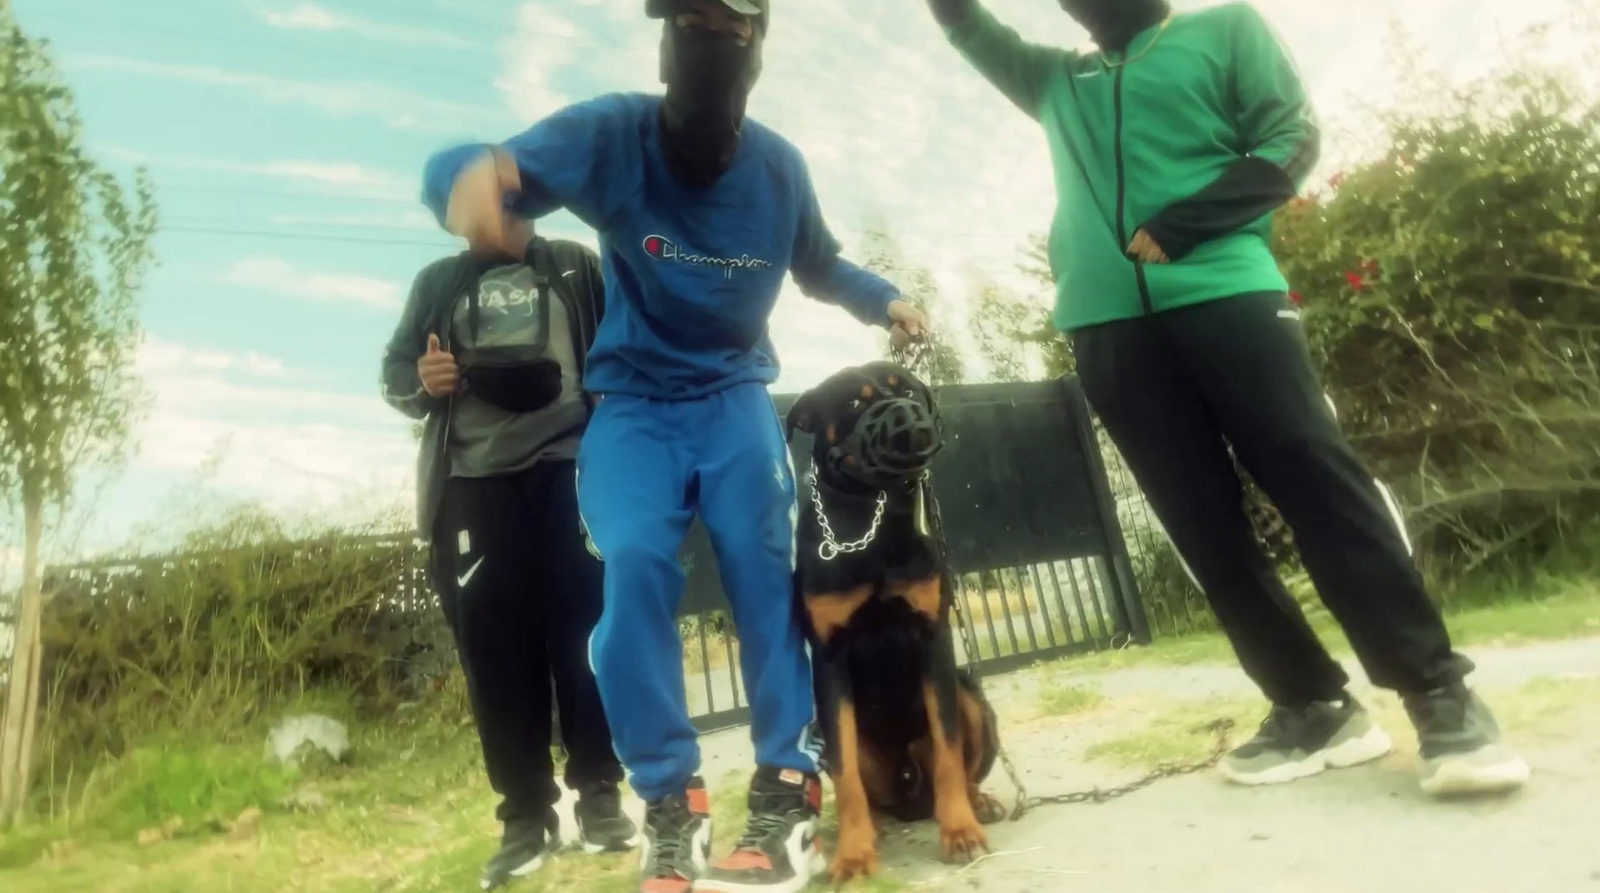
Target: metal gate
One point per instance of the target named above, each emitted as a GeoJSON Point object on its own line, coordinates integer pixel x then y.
{"type": "Point", "coordinates": [1032, 533]}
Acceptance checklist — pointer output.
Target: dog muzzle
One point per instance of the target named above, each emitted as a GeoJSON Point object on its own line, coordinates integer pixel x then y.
{"type": "Point", "coordinates": [893, 442]}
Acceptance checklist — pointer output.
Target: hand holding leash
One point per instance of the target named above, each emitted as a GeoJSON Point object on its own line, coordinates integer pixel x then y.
{"type": "Point", "coordinates": [906, 324]}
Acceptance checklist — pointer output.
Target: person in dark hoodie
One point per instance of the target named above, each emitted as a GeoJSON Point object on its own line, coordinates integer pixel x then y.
{"type": "Point", "coordinates": [1173, 145]}
{"type": "Point", "coordinates": [489, 352]}
{"type": "Point", "coordinates": [701, 212]}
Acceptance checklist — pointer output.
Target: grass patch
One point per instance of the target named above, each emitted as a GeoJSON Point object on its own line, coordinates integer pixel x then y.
{"type": "Point", "coordinates": [1179, 734]}
{"type": "Point", "coordinates": [1565, 608]}
{"type": "Point", "coordinates": [1059, 699]}
{"type": "Point", "coordinates": [1545, 707]}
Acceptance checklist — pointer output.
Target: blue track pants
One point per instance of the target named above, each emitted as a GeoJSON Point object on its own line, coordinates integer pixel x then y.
{"type": "Point", "coordinates": [645, 468]}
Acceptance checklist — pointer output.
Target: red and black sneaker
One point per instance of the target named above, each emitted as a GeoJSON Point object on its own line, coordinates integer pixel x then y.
{"type": "Point", "coordinates": [677, 834]}
{"type": "Point", "coordinates": [779, 852]}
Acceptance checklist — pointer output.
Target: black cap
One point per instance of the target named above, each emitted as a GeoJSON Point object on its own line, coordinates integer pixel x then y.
{"type": "Point", "coordinates": [660, 9]}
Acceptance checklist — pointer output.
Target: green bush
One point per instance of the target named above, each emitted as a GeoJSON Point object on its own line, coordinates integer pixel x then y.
{"type": "Point", "coordinates": [1451, 289]}
{"type": "Point", "coordinates": [212, 641]}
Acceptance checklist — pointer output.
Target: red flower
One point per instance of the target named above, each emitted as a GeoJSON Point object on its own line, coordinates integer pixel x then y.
{"type": "Point", "coordinates": [1356, 280]}
{"type": "Point", "coordinates": [1296, 299]}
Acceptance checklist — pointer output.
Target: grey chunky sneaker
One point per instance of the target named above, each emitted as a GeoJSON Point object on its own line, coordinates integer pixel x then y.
{"type": "Point", "coordinates": [602, 827]}
{"type": "Point", "coordinates": [1461, 749]}
{"type": "Point", "coordinates": [524, 844]}
{"type": "Point", "coordinates": [1297, 742]}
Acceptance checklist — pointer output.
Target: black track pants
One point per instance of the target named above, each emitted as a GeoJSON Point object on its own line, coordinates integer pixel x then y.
{"type": "Point", "coordinates": [1174, 390]}
{"type": "Point", "coordinates": [521, 594]}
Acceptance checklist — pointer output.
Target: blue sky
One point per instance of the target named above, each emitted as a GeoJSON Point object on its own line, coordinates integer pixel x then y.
{"type": "Point", "coordinates": [286, 139]}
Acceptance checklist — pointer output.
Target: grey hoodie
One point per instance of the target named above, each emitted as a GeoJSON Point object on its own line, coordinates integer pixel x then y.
{"type": "Point", "coordinates": [573, 272]}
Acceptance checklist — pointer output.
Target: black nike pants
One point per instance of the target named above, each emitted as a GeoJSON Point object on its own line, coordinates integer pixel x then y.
{"type": "Point", "coordinates": [1174, 390]}
{"type": "Point", "coordinates": [521, 594]}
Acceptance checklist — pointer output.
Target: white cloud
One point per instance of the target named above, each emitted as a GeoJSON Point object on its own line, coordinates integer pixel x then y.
{"type": "Point", "coordinates": [544, 46]}
{"type": "Point", "coordinates": [311, 17]}
{"type": "Point", "coordinates": [341, 178]}
{"type": "Point", "coordinates": [398, 109]}
{"type": "Point", "coordinates": [891, 119]}
{"type": "Point", "coordinates": [163, 357]}
{"type": "Point", "coordinates": [261, 429]}
{"type": "Point", "coordinates": [276, 275]}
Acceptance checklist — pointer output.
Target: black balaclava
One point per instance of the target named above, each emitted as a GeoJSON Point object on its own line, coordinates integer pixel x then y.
{"type": "Point", "coordinates": [1114, 23]}
{"type": "Point", "coordinates": [709, 77]}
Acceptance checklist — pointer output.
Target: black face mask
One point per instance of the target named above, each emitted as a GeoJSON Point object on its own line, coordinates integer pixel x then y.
{"type": "Point", "coordinates": [709, 77]}
{"type": "Point", "coordinates": [1114, 23]}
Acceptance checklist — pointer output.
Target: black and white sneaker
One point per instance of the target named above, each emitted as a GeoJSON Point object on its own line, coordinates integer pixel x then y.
{"type": "Point", "coordinates": [1295, 743]}
{"type": "Point", "coordinates": [602, 828]}
{"type": "Point", "coordinates": [524, 844]}
{"type": "Point", "coordinates": [779, 852]}
{"type": "Point", "coordinates": [677, 841]}
{"type": "Point", "coordinates": [1461, 749]}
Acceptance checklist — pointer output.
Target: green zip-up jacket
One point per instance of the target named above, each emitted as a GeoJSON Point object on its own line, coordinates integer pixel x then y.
{"type": "Point", "coordinates": [1196, 134]}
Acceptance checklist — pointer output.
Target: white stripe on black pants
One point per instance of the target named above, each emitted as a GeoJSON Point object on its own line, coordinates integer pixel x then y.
{"type": "Point", "coordinates": [1174, 390]}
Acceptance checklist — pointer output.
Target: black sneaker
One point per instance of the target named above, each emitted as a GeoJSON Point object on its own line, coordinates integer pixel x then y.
{"type": "Point", "coordinates": [779, 852]}
{"type": "Point", "coordinates": [1294, 743]}
{"type": "Point", "coordinates": [1461, 749]}
{"type": "Point", "coordinates": [523, 846]}
{"type": "Point", "coordinates": [677, 841]}
{"type": "Point", "coordinates": [602, 828]}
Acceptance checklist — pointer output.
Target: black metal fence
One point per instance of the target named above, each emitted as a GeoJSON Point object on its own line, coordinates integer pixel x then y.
{"type": "Point", "coordinates": [1050, 542]}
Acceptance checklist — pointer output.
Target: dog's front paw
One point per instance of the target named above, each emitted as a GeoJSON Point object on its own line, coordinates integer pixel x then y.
{"type": "Point", "coordinates": [854, 857]}
{"type": "Point", "coordinates": [962, 841]}
{"type": "Point", "coordinates": [989, 809]}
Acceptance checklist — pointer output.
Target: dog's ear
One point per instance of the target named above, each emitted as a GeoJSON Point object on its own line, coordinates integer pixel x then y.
{"type": "Point", "coordinates": [802, 417]}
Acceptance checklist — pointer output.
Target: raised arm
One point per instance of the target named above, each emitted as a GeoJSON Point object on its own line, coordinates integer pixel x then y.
{"type": "Point", "coordinates": [1276, 121]}
{"type": "Point", "coordinates": [583, 158]}
{"type": "Point", "coordinates": [1018, 68]}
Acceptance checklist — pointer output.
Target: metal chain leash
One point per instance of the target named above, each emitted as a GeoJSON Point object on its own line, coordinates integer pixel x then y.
{"type": "Point", "coordinates": [830, 548]}
{"type": "Point", "coordinates": [1220, 727]}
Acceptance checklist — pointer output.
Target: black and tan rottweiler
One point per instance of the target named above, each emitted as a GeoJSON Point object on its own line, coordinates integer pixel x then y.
{"type": "Point", "coordinates": [908, 733]}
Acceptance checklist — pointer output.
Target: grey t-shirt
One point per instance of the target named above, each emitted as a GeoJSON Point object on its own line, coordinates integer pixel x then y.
{"type": "Point", "coordinates": [486, 440]}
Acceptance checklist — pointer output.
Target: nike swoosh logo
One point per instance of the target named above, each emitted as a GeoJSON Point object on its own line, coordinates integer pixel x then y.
{"type": "Point", "coordinates": [467, 577]}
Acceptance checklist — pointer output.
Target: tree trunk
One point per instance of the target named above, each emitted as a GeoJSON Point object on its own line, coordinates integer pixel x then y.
{"type": "Point", "coordinates": [22, 701]}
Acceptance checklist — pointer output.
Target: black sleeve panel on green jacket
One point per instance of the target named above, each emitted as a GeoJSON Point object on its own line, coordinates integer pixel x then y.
{"type": "Point", "coordinates": [1276, 125]}
{"type": "Point", "coordinates": [402, 389]}
{"type": "Point", "coordinates": [1250, 188]}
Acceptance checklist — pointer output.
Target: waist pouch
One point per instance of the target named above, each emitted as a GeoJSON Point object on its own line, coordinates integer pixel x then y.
{"type": "Point", "coordinates": [514, 379]}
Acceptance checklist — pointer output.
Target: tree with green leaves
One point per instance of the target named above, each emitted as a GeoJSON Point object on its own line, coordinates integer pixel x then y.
{"type": "Point", "coordinates": [74, 248]}
{"type": "Point", "coordinates": [1451, 290]}
{"type": "Point", "coordinates": [935, 359]}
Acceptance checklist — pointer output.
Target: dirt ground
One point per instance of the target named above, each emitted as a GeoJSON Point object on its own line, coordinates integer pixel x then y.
{"type": "Point", "coordinates": [1363, 830]}
{"type": "Point", "coordinates": [425, 826]}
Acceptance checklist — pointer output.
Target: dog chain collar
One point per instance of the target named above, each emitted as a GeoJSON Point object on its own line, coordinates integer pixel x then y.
{"type": "Point", "coordinates": [830, 548]}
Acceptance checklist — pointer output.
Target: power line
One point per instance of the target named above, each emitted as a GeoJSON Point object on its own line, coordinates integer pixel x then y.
{"type": "Point", "coordinates": [910, 265]}
{"type": "Point", "coordinates": [887, 229]}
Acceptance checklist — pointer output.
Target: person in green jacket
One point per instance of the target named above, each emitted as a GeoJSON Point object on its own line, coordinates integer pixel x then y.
{"type": "Point", "coordinates": [1172, 146]}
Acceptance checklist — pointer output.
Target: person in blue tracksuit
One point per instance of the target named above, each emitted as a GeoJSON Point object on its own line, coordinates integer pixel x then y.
{"type": "Point", "coordinates": [700, 213]}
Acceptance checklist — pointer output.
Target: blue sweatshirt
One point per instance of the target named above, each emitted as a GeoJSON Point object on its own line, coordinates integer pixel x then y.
{"type": "Point", "coordinates": [691, 275]}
